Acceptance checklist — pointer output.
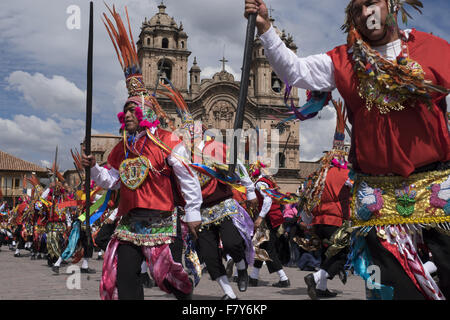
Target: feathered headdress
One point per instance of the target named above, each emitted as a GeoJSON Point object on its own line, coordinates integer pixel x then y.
{"type": "Point", "coordinates": [148, 110]}
{"type": "Point", "coordinates": [56, 173]}
{"type": "Point", "coordinates": [315, 183]}
{"type": "Point", "coordinates": [37, 188]}
{"type": "Point", "coordinates": [255, 169]}
{"type": "Point", "coordinates": [78, 166]}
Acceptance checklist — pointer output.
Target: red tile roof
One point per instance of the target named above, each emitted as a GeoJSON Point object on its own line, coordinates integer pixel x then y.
{"type": "Point", "coordinates": [11, 163]}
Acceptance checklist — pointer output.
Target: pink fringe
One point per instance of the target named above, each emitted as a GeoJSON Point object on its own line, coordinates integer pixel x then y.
{"type": "Point", "coordinates": [148, 124]}
{"type": "Point", "coordinates": [161, 265]}
{"type": "Point", "coordinates": [108, 289]}
{"type": "Point", "coordinates": [256, 173]}
{"type": "Point", "coordinates": [338, 164]}
{"type": "Point", "coordinates": [139, 117]}
{"type": "Point", "coordinates": [138, 113]}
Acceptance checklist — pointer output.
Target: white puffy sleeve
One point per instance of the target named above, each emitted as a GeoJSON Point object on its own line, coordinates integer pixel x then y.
{"type": "Point", "coordinates": [315, 72]}
{"type": "Point", "coordinates": [188, 182]}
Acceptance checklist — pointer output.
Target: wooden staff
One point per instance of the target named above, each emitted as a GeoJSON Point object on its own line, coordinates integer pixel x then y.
{"type": "Point", "coordinates": [87, 140]}
{"type": "Point", "coordinates": [243, 90]}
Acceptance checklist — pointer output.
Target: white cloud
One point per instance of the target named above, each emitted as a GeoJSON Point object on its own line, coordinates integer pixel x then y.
{"type": "Point", "coordinates": [36, 31]}
{"type": "Point", "coordinates": [119, 95]}
{"type": "Point", "coordinates": [34, 139]}
{"type": "Point", "coordinates": [55, 94]}
{"type": "Point", "coordinates": [45, 163]}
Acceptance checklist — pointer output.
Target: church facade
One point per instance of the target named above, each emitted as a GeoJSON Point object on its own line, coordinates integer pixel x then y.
{"type": "Point", "coordinates": [163, 50]}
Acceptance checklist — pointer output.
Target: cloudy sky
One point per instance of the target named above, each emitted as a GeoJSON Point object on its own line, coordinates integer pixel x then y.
{"type": "Point", "coordinates": [43, 63]}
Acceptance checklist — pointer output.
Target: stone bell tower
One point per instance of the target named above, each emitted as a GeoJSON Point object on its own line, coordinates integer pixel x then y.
{"type": "Point", "coordinates": [162, 46]}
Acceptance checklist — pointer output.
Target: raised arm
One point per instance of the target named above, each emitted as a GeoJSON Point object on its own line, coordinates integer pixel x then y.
{"type": "Point", "coordinates": [315, 72]}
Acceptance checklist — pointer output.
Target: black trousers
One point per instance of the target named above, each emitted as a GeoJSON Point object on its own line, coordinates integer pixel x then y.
{"type": "Point", "coordinates": [19, 238]}
{"type": "Point", "coordinates": [271, 248]}
{"type": "Point", "coordinates": [39, 245]}
{"type": "Point", "coordinates": [104, 235]}
{"type": "Point", "coordinates": [129, 261]}
{"type": "Point", "coordinates": [337, 262]}
{"type": "Point", "coordinates": [207, 245]}
{"type": "Point", "coordinates": [88, 250]}
{"type": "Point", "coordinates": [392, 273]}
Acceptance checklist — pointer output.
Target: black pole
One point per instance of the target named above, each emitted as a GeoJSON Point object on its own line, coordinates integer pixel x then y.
{"type": "Point", "coordinates": [348, 130]}
{"type": "Point", "coordinates": [87, 140]}
{"type": "Point", "coordinates": [287, 140]}
{"type": "Point", "coordinates": [243, 90]}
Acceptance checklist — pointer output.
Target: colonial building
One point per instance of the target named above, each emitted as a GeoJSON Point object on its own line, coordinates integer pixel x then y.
{"type": "Point", "coordinates": [163, 47]}
{"type": "Point", "coordinates": [12, 171]}
{"type": "Point", "coordinates": [163, 50]}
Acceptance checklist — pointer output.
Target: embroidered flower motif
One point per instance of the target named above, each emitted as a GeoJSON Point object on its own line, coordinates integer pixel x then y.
{"type": "Point", "coordinates": [406, 199]}
{"type": "Point", "coordinates": [440, 196]}
{"type": "Point", "coordinates": [370, 201]}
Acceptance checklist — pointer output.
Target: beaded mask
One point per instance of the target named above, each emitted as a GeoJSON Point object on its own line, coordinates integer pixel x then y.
{"type": "Point", "coordinates": [388, 85]}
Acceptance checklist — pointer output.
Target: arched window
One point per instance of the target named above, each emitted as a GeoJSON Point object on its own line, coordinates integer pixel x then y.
{"type": "Point", "coordinates": [182, 44]}
{"type": "Point", "coordinates": [276, 83]}
{"type": "Point", "coordinates": [166, 69]}
{"type": "Point", "coordinates": [195, 79]}
{"type": "Point", "coordinates": [282, 160]}
{"type": "Point", "coordinates": [262, 52]}
{"type": "Point", "coordinates": [165, 43]}
{"type": "Point", "coordinates": [148, 41]}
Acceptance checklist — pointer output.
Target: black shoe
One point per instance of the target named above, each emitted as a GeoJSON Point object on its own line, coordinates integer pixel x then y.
{"type": "Point", "coordinates": [87, 270]}
{"type": "Point", "coordinates": [311, 284]}
{"type": "Point", "coordinates": [100, 258]}
{"type": "Point", "coordinates": [325, 293]}
{"type": "Point", "coordinates": [177, 293]}
{"type": "Point", "coordinates": [252, 282]}
{"type": "Point", "coordinates": [39, 257]}
{"type": "Point", "coordinates": [227, 297]}
{"type": "Point", "coordinates": [242, 280]}
{"type": "Point", "coordinates": [17, 255]}
{"type": "Point", "coordinates": [55, 269]}
{"type": "Point", "coordinates": [343, 276]}
{"type": "Point", "coordinates": [146, 281]}
{"type": "Point", "coordinates": [308, 268]}
{"type": "Point", "coordinates": [229, 268]}
{"type": "Point", "coordinates": [282, 284]}
{"type": "Point", "coordinates": [33, 257]}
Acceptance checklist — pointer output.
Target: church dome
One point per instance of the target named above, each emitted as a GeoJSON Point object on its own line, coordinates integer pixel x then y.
{"type": "Point", "coordinates": [181, 32]}
{"type": "Point", "coordinates": [162, 18]}
{"type": "Point", "coordinates": [195, 67]}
